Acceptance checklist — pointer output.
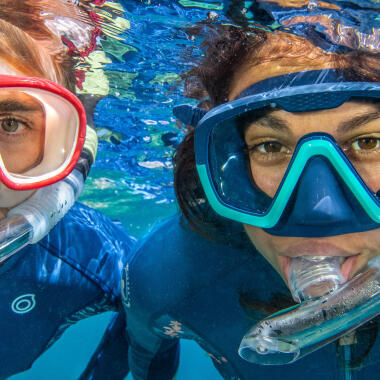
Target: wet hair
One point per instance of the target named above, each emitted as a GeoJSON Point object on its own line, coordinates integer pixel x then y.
{"type": "Point", "coordinates": [209, 82]}
{"type": "Point", "coordinates": [24, 54]}
{"type": "Point", "coordinates": [27, 43]}
{"type": "Point", "coordinates": [228, 49]}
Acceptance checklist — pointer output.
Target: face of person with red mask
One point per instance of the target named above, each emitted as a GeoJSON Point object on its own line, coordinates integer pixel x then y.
{"type": "Point", "coordinates": [42, 124]}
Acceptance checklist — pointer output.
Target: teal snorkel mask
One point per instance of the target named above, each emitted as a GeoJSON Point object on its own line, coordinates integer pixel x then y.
{"type": "Point", "coordinates": [321, 193]}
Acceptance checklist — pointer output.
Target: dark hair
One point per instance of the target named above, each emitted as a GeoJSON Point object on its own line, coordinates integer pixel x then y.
{"type": "Point", "coordinates": [228, 49]}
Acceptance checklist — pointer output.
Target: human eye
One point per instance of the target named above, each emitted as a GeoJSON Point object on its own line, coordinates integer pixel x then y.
{"type": "Point", "coordinates": [363, 149]}
{"type": "Point", "coordinates": [270, 147]}
{"type": "Point", "coordinates": [269, 152]}
{"type": "Point", "coordinates": [366, 144]}
{"type": "Point", "coordinates": [12, 125]}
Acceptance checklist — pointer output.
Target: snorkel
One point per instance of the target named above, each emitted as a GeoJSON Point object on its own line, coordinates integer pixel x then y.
{"type": "Point", "coordinates": [31, 220]}
{"type": "Point", "coordinates": [38, 77]}
{"type": "Point", "coordinates": [293, 333]}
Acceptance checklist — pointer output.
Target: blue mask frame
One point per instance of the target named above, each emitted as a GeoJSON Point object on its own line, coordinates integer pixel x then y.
{"type": "Point", "coordinates": [349, 206]}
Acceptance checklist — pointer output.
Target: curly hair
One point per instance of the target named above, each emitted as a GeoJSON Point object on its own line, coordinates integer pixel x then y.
{"type": "Point", "coordinates": [228, 50]}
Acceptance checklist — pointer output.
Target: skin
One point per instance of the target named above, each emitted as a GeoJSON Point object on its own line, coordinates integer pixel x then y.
{"type": "Point", "coordinates": [22, 136]}
{"type": "Point", "coordinates": [271, 141]}
{"type": "Point", "coordinates": [22, 129]}
{"type": "Point", "coordinates": [302, 3]}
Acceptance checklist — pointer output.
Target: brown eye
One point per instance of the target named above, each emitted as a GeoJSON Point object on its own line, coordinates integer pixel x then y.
{"type": "Point", "coordinates": [366, 143]}
{"type": "Point", "coordinates": [271, 147]}
{"type": "Point", "coordinates": [10, 125]}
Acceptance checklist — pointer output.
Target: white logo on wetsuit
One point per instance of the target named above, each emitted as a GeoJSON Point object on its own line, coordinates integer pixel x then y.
{"type": "Point", "coordinates": [125, 287]}
{"type": "Point", "coordinates": [24, 304]}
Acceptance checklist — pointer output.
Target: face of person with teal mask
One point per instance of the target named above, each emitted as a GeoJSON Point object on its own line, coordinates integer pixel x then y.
{"type": "Point", "coordinates": [295, 156]}
{"type": "Point", "coordinates": [271, 142]}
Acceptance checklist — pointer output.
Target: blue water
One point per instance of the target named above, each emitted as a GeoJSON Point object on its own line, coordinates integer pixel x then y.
{"type": "Point", "coordinates": [137, 136]}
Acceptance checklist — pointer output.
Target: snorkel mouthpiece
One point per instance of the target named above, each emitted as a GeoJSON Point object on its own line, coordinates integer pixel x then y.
{"type": "Point", "coordinates": [313, 276]}
{"type": "Point", "coordinates": [295, 332]}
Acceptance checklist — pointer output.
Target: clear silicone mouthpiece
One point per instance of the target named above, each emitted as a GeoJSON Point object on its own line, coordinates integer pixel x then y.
{"type": "Point", "coordinates": [313, 276]}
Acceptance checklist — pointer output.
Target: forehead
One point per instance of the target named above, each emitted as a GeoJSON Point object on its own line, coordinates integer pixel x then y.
{"type": "Point", "coordinates": [249, 75]}
{"type": "Point", "coordinates": [282, 54]}
{"type": "Point", "coordinates": [343, 120]}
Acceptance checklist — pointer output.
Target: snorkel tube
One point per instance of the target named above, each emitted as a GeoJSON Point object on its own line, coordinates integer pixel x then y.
{"type": "Point", "coordinates": [293, 333]}
{"type": "Point", "coordinates": [31, 220]}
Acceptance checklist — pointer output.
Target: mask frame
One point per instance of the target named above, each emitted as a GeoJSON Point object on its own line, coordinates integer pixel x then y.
{"type": "Point", "coordinates": [16, 182]}
{"type": "Point", "coordinates": [296, 92]}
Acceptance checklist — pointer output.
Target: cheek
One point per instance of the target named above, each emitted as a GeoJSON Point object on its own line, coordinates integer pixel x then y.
{"type": "Point", "coordinates": [269, 247]}
{"type": "Point", "coordinates": [370, 173]}
{"type": "Point", "coordinates": [369, 239]}
{"type": "Point", "coordinates": [25, 155]}
{"type": "Point", "coordinates": [258, 239]}
{"type": "Point", "coordinates": [264, 182]}
{"type": "Point", "coordinates": [267, 179]}
{"type": "Point", "coordinates": [264, 243]}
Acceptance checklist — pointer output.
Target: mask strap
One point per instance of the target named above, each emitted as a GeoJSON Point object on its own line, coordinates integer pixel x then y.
{"type": "Point", "coordinates": [189, 115]}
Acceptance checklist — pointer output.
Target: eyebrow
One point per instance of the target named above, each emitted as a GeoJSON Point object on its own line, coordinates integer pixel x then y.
{"type": "Point", "coordinates": [274, 123]}
{"type": "Point", "coordinates": [344, 127]}
{"type": "Point", "coordinates": [357, 121]}
{"type": "Point", "coordinates": [14, 106]}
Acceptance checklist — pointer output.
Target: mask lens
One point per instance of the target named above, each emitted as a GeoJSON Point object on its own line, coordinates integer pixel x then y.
{"type": "Point", "coordinates": [267, 164]}
{"type": "Point", "coordinates": [247, 173]}
{"type": "Point", "coordinates": [22, 130]}
{"type": "Point", "coordinates": [364, 155]}
{"type": "Point", "coordinates": [232, 171]}
{"type": "Point", "coordinates": [38, 133]}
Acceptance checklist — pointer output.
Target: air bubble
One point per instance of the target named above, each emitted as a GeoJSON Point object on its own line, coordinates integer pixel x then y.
{"type": "Point", "coordinates": [262, 350]}
{"type": "Point", "coordinates": [313, 5]}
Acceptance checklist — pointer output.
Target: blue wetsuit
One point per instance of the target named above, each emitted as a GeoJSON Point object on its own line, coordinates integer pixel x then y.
{"type": "Point", "coordinates": [178, 285]}
{"type": "Point", "coordinates": [73, 273]}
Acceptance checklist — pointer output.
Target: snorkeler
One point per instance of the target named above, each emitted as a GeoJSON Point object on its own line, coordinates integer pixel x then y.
{"type": "Point", "coordinates": [281, 170]}
{"type": "Point", "coordinates": [60, 261]}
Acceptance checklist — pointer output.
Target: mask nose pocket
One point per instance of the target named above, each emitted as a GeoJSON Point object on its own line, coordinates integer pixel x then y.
{"type": "Point", "coordinates": [321, 205]}
{"type": "Point", "coordinates": [319, 199]}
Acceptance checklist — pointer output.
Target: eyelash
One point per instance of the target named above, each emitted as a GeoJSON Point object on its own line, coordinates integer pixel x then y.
{"type": "Point", "coordinates": [16, 133]}
{"type": "Point", "coordinates": [256, 147]}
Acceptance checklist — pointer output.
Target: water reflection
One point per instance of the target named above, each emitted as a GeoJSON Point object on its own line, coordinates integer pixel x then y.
{"type": "Point", "coordinates": [136, 68]}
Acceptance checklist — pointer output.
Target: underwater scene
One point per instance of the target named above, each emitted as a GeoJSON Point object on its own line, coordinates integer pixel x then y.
{"type": "Point", "coordinates": [133, 77]}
